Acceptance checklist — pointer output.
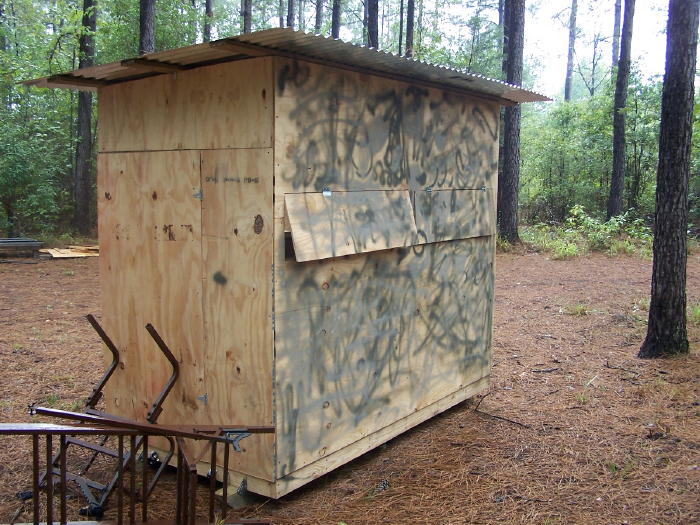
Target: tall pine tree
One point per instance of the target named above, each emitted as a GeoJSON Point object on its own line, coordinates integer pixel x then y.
{"type": "Point", "coordinates": [84, 169]}
{"type": "Point", "coordinates": [617, 182]}
{"type": "Point", "coordinates": [509, 179]}
{"type": "Point", "coordinates": [666, 333]}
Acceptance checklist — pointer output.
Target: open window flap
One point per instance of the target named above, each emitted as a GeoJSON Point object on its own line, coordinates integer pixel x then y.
{"type": "Point", "coordinates": [442, 215]}
{"type": "Point", "coordinates": [332, 224]}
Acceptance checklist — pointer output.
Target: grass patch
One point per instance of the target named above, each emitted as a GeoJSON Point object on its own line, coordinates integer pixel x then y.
{"type": "Point", "coordinates": [694, 314]}
{"type": "Point", "coordinates": [576, 309]}
{"type": "Point", "coordinates": [641, 305]}
{"type": "Point", "coordinates": [502, 245]}
{"type": "Point", "coordinates": [51, 400]}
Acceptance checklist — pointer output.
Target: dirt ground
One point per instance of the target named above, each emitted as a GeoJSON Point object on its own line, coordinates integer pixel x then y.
{"type": "Point", "coordinates": [574, 429]}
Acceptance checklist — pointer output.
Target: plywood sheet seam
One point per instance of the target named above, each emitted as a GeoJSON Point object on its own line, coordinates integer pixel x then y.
{"type": "Point", "coordinates": [273, 76]}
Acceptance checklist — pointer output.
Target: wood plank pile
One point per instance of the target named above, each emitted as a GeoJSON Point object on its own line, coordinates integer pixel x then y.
{"type": "Point", "coordinates": [72, 252]}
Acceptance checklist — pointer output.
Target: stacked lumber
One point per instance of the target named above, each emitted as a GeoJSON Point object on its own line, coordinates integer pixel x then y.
{"type": "Point", "coordinates": [72, 251]}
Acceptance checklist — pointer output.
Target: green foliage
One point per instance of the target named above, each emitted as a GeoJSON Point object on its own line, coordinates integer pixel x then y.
{"type": "Point", "coordinates": [33, 165]}
{"type": "Point", "coordinates": [581, 233]}
{"type": "Point", "coordinates": [566, 146]}
{"type": "Point", "coordinates": [694, 314]}
{"type": "Point", "coordinates": [502, 245]}
{"type": "Point", "coordinates": [567, 153]}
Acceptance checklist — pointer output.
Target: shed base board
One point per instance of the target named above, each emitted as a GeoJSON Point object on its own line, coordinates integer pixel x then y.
{"type": "Point", "coordinates": [306, 474]}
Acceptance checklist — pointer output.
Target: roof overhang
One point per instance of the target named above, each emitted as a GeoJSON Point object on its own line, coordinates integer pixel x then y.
{"type": "Point", "coordinates": [292, 44]}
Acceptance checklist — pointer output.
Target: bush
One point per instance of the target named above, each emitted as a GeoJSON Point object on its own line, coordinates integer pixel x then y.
{"type": "Point", "coordinates": [581, 233]}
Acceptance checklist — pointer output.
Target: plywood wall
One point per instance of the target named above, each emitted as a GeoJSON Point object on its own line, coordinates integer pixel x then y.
{"type": "Point", "coordinates": [194, 171]}
{"type": "Point", "coordinates": [213, 107]}
{"type": "Point", "coordinates": [365, 340]}
{"type": "Point", "coordinates": [185, 227]}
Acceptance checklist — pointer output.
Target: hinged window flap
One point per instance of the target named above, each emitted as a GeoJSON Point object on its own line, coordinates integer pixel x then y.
{"type": "Point", "coordinates": [442, 215]}
{"type": "Point", "coordinates": [344, 223]}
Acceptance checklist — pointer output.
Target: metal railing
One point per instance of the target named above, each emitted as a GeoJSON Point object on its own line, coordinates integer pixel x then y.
{"type": "Point", "coordinates": [56, 480]}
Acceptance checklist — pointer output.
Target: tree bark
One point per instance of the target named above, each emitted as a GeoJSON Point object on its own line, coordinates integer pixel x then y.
{"type": "Point", "coordinates": [147, 24]}
{"type": "Point", "coordinates": [290, 13]}
{"type": "Point", "coordinates": [83, 181]}
{"type": "Point", "coordinates": [400, 27]}
{"type": "Point", "coordinates": [335, 19]}
{"type": "Point", "coordinates": [510, 178]}
{"type": "Point", "coordinates": [247, 12]}
{"type": "Point", "coordinates": [319, 17]}
{"type": "Point", "coordinates": [617, 181]}
{"type": "Point", "coordinates": [364, 23]}
{"type": "Point", "coordinates": [3, 38]}
{"type": "Point", "coordinates": [616, 34]}
{"type": "Point", "coordinates": [410, 16]}
{"type": "Point", "coordinates": [666, 332]}
{"type": "Point", "coordinates": [280, 12]}
{"type": "Point", "coordinates": [570, 55]}
{"type": "Point", "coordinates": [208, 17]}
{"type": "Point", "coordinates": [373, 23]}
{"type": "Point", "coordinates": [501, 111]}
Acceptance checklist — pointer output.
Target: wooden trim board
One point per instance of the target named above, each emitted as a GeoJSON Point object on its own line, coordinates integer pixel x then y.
{"type": "Point", "coordinates": [304, 475]}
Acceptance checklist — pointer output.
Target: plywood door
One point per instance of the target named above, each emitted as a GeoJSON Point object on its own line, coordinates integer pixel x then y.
{"type": "Point", "coordinates": [150, 272]}
{"type": "Point", "coordinates": [237, 284]}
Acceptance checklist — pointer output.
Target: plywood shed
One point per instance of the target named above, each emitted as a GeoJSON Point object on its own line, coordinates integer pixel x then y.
{"type": "Point", "coordinates": [310, 226]}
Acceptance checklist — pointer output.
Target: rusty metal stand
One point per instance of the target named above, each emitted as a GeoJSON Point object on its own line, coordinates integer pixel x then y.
{"type": "Point", "coordinates": [97, 493]}
{"type": "Point", "coordinates": [185, 497]}
{"type": "Point", "coordinates": [96, 423]}
{"type": "Point", "coordinates": [99, 424]}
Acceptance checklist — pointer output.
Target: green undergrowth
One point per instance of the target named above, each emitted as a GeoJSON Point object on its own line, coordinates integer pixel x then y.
{"type": "Point", "coordinates": [694, 314]}
{"type": "Point", "coordinates": [63, 240]}
{"type": "Point", "coordinates": [581, 234]}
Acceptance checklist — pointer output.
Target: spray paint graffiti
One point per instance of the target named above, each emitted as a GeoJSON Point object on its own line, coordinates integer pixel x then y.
{"type": "Point", "coordinates": [355, 132]}
{"type": "Point", "coordinates": [369, 338]}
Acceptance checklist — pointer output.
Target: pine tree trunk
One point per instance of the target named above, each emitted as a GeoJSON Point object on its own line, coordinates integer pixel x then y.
{"type": "Point", "coordinates": [247, 12]}
{"type": "Point", "coordinates": [570, 55]}
{"type": "Point", "coordinates": [364, 23]}
{"type": "Point", "coordinates": [400, 27]}
{"type": "Point", "coordinates": [319, 17]}
{"type": "Point", "coordinates": [290, 13]}
{"type": "Point", "coordinates": [147, 24]}
{"type": "Point", "coordinates": [510, 178]}
{"type": "Point", "coordinates": [421, 10]}
{"type": "Point", "coordinates": [3, 38]}
{"type": "Point", "coordinates": [410, 16]}
{"type": "Point", "coordinates": [83, 182]}
{"type": "Point", "coordinates": [594, 65]}
{"type": "Point", "coordinates": [335, 19]}
{"type": "Point", "coordinates": [666, 333]}
{"type": "Point", "coordinates": [280, 12]}
{"type": "Point", "coordinates": [373, 23]}
{"type": "Point", "coordinates": [208, 17]}
{"type": "Point", "coordinates": [617, 181]}
{"type": "Point", "coordinates": [501, 112]}
{"type": "Point", "coordinates": [616, 34]}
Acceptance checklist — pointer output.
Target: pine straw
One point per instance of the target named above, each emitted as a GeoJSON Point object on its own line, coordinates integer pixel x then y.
{"type": "Point", "coordinates": [574, 429]}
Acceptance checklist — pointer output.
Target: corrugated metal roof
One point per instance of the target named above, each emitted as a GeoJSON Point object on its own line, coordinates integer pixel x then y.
{"type": "Point", "coordinates": [294, 44]}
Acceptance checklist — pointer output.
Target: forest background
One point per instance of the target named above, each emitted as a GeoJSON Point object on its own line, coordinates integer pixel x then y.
{"type": "Point", "coordinates": [566, 146]}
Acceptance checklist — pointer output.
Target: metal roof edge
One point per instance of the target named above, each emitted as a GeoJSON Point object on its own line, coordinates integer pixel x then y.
{"type": "Point", "coordinates": [294, 44]}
